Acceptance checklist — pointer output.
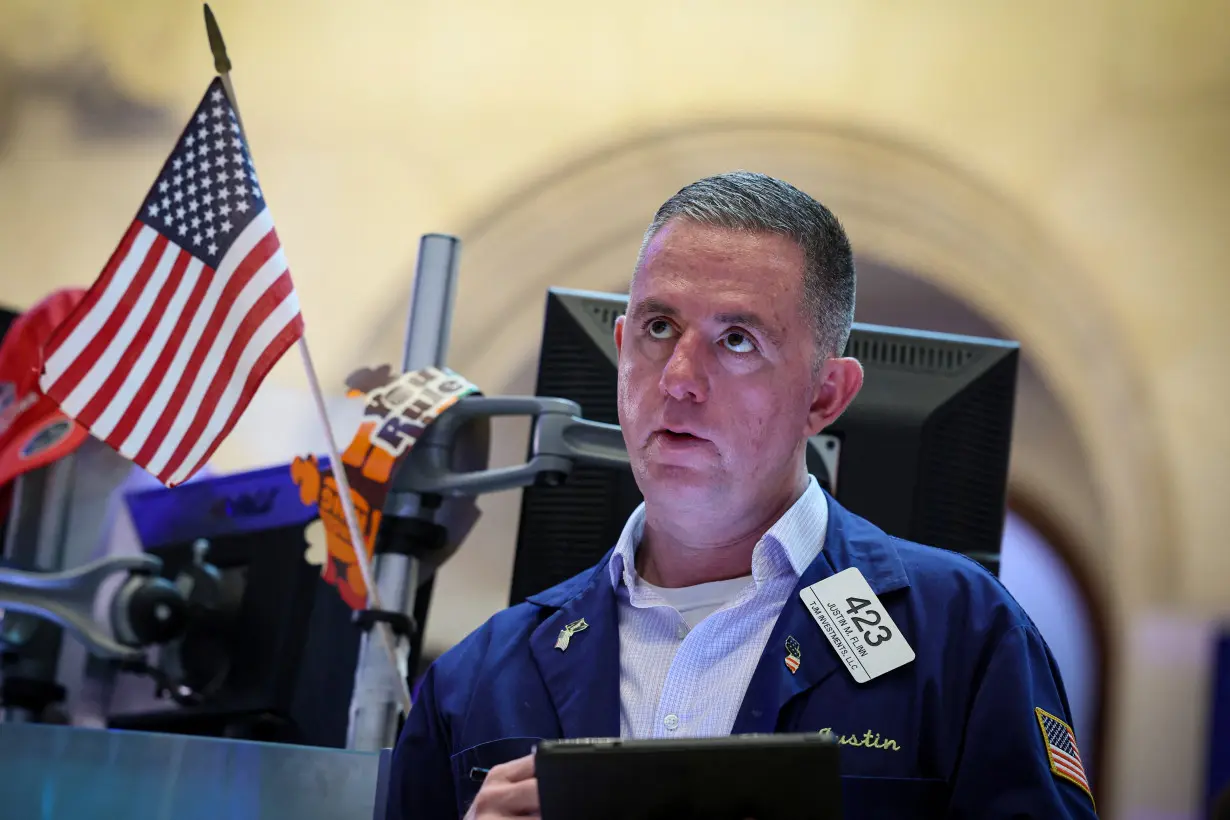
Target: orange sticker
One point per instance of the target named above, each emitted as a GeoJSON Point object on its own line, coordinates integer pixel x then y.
{"type": "Point", "coordinates": [397, 409]}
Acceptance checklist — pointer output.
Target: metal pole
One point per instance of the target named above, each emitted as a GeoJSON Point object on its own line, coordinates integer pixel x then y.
{"type": "Point", "coordinates": [431, 305]}
{"type": "Point", "coordinates": [35, 540]}
{"type": "Point", "coordinates": [373, 715]}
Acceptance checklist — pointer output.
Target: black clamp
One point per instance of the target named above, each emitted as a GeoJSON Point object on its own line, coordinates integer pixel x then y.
{"type": "Point", "coordinates": [401, 623]}
{"type": "Point", "coordinates": [418, 538]}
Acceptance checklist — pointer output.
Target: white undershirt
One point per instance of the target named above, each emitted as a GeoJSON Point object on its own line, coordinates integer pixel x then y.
{"type": "Point", "coordinates": [695, 603]}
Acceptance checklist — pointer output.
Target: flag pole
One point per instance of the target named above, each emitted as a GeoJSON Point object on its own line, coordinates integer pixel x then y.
{"type": "Point", "coordinates": [222, 63]}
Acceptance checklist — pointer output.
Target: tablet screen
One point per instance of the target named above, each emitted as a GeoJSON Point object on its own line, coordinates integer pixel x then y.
{"type": "Point", "coordinates": [765, 777]}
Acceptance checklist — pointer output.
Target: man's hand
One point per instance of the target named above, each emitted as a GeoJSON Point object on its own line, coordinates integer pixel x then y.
{"type": "Point", "coordinates": [510, 790]}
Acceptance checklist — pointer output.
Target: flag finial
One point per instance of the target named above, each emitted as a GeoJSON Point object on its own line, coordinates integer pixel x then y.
{"type": "Point", "coordinates": [216, 44]}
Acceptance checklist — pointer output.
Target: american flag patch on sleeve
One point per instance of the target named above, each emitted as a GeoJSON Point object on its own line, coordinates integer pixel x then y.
{"type": "Point", "coordinates": [1061, 750]}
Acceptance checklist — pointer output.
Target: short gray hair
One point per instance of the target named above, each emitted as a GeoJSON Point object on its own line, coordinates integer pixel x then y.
{"type": "Point", "coordinates": [746, 201]}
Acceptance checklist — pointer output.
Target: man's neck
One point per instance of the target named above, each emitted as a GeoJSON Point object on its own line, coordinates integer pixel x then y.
{"type": "Point", "coordinates": [674, 554]}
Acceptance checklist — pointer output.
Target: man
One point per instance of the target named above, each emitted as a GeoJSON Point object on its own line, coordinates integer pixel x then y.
{"type": "Point", "coordinates": [695, 623]}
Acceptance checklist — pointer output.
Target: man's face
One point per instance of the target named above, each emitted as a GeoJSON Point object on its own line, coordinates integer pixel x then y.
{"type": "Point", "coordinates": [717, 384]}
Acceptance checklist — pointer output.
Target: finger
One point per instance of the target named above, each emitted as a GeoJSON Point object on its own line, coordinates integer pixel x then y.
{"type": "Point", "coordinates": [514, 770]}
{"type": "Point", "coordinates": [503, 799]}
{"type": "Point", "coordinates": [522, 798]}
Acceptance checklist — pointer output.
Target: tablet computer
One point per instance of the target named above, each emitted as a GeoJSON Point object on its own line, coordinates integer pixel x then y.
{"type": "Point", "coordinates": [737, 777]}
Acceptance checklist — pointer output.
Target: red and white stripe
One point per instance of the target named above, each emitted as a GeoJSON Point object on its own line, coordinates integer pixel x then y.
{"type": "Point", "coordinates": [1069, 765]}
{"type": "Point", "coordinates": [164, 354]}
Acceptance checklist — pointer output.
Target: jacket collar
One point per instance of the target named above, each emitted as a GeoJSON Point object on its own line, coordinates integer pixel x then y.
{"type": "Point", "coordinates": [581, 672]}
{"type": "Point", "coordinates": [852, 541]}
{"type": "Point", "coordinates": [583, 679]}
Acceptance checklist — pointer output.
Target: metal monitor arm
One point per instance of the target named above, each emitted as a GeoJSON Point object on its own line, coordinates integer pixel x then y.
{"type": "Point", "coordinates": [146, 609]}
{"type": "Point", "coordinates": [430, 507]}
{"type": "Point", "coordinates": [561, 439]}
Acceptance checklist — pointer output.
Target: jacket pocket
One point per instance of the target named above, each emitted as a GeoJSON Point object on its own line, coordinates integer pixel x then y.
{"type": "Point", "coordinates": [906, 798]}
{"type": "Point", "coordinates": [470, 766]}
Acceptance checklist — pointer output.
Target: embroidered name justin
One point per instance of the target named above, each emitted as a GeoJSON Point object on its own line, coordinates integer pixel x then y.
{"type": "Point", "coordinates": [869, 740]}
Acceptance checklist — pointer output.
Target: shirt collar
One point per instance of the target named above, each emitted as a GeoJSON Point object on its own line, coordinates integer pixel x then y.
{"type": "Point", "coordinates": [798, 535]}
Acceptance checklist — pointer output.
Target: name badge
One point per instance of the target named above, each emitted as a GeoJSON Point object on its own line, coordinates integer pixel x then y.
{"type": "Point", "coordinates": [857, 625]}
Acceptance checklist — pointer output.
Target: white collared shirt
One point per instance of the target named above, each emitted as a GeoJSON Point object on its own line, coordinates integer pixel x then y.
{"type": "Point", "coordinates": [684, 674]}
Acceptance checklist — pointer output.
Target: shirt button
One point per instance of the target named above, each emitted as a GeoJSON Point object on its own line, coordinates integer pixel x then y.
{"type": "Point", "coordinates": [672, 722]}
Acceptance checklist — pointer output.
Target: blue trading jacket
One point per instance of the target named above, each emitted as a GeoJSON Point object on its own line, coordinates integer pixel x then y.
{"type": "Point", "coordinates": [960, 732]}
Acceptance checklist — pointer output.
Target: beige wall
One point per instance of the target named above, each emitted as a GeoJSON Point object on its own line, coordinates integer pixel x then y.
{"type": "Point", "coordinates": [1060, 166]}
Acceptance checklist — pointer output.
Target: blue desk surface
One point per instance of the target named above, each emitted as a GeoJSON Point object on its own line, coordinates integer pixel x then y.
{"type": "Point", "coordinates": [54, 772]}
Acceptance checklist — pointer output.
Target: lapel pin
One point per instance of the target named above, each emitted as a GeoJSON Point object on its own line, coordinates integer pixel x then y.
{"type": "Point", "coordinates": [794, 654]}
{"type": "Point", "coordinates": [565, 634]}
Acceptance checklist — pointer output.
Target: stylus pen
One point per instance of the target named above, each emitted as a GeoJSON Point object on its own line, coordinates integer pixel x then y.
{"type": "Point", "coordinates": [478, 774]}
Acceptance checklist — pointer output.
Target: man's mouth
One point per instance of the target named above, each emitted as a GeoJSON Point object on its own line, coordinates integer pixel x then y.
{"type": "Point", "coordinates": [678, 435]}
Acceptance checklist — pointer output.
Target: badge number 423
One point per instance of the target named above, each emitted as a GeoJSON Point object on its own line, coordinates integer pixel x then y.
{"type": "Point", "coordinates": [856, 623]}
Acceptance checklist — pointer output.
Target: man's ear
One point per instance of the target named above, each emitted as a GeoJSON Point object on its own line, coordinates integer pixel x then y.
{"type": "Point", "coordinates": [837, 384]}
{"type": "Point", "coordinates": [619, 332]}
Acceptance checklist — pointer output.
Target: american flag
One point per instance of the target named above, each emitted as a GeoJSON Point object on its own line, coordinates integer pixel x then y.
{"type": "Point", "coordinates": [193, 309]}
{"type": "Point", "coordinates": [794, 654]}
{"type": "Point", "coordinates": [1061, 749]}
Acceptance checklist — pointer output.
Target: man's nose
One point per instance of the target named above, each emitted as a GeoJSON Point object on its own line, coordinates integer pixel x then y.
{"type": "Point", "coordinates": [685, 375]}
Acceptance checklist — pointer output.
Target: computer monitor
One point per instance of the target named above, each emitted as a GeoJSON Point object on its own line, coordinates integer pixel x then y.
{"type": "Point", "coordinates": [922, 451]}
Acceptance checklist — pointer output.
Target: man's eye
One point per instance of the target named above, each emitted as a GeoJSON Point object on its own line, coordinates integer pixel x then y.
{"type": "Point", "coordinates": [737, 342]}
{"type": "Point", "coordinates": [660, 329]}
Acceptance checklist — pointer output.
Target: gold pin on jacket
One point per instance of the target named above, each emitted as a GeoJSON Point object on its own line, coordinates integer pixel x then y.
{"type": "Point", "coordinates": [565, 634]}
